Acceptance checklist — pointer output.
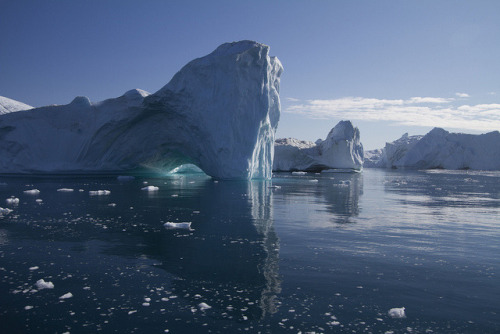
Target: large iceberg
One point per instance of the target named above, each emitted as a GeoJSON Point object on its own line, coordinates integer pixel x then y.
{"type": "Point", "coordinates": [9, 105]}
{"type": "Point", "coordinates": [219, 112]}
{"type": "Point", "coordinates": [342, 149]}
{"type": "Point", "coordinates": [442, 149]}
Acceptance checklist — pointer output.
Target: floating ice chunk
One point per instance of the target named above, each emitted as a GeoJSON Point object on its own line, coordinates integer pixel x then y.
{"type": "Point", "coordinates": [66, 296]}
{"type": "Point", "coordinates": [112, 204]}
{"type": "Point", "coordinates": [39, 200]}
{"type": "Point", "coordinates": [28, 307]}
{"type": "Point", "coordinates": [182, 226]}
{"type": "Point", "coordinates": [125, 178]}
{"type": "Point", "coordinates": [145, 304]}
{"type": "Point", "coordinates": [65, 190]}
{"type": "Point", "coordinates": [99, 192]}
{"type": "Point", "coordinates": [299, 173]}
{"type": "Point", "coordinates": [150, 188]}
{"type": "Point", "coordinates": [5, 211]}
{"type": "Point", "coordinates": [32, 192]}
{"type": "Point", "coordinates": [314, 180]}
{"type": "Point", "coordinates": [41, 284]}
{"type": "Point", "coordinates": [132, 312]}
{"type": "Point", "coordinates": [34, 268]}
{"type": "Point", "coordinates": [204, 306]}
{"type": "Point", "coordinates": [397, 312]}
{"type": "Point", "coordinates": [12, 200]}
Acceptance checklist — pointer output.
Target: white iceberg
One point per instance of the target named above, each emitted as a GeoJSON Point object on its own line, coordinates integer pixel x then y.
{"type": "Point", "coordinates": [397, 312]}
{"type": "Point", "coordinates": [5, 211]}
{"type": "Point", "coordinates": [150, 188]}
{"type": "Point", "coordinates": [32, 192]}
{"type": "Point", "coordinates": [442, 149]}
{"type": "Point", "coordinates": [182, 226]}
{"type": "Point", "coordinates": [66, 296]}
{"type": "Point", "coordinates": [12, 200]}
{"type": "Point", "coordinates": [204, 306]}
{"type": "Point", "coordinates": [41, 284]}
{"type": "Point", "coordinates": [9, 105]}
{"type": "Point", "coordinates": [65, 190]}
{"type": "Point", "coordinates": [219, 112]}
{"type": "Point", "coordinates": [342, 149]}
{"type": "Point", "coordinates": [99, 192]}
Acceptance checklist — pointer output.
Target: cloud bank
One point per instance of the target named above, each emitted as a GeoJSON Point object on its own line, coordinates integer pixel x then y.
{"type": "Point", "coordinates": [416, 111]}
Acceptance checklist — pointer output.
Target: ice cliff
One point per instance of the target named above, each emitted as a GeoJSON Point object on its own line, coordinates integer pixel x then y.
{"type": "Point", "coordinates": [219, 112]}
{"type": "Point", "coordinates": [442, 149]}
{"type": "Point", "coordinates": [341, 149]}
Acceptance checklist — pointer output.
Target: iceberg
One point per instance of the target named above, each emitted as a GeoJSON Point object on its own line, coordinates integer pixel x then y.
{"type": "Point", "coordinates": [444, 150]}
{"type": "Point", "coordinates": [383, 158]}
{"type": "Point", "coordinates": [9, 105]}
{"type": "Point", "coordinates": [342, 149]}
{"type": "Point", "coordinates": [219, 112]}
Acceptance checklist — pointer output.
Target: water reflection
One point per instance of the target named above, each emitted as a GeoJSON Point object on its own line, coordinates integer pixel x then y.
{"type": "Point", "coordinates": [336, 194]}
{"type": "Point", "coordinates": [229, 261]}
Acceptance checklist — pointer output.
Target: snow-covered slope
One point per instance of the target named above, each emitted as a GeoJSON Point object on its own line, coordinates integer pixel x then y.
{"type": "Point", "coordinates": [442, 149]}
{"type": "Point", "coordinates": [341, 149]}
{"type": "Point", "coordinates": [8, 105]}
{"type": "Point", "coordinates": [219, 112]}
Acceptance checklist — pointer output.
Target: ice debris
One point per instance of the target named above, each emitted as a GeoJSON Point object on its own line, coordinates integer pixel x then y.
{"type": "Point", "coordinates": [66, 296]}
{"type": "Point", "coordinates": [32, 192]}
{"type": "Point", "coordinates": [183, 226]}
{"type": "Point", "coordinates": [41, 284]}
{"type": "Point", "coordinates": [397, 312]}
{"type": "Point", "coordinates": [12, 200]}
{"type": "Point", "coordinates": [150, 188]}
{"type": "Point", "coordinates": [99, 192]}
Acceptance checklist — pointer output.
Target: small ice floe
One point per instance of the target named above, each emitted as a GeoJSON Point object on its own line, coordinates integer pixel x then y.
{"type": "Point", "coordinates": [274, 187]}
{"type": "Point", "coordinates": [125, 178]}
{"type": "Point", "coordinates": [5, 211]}
{"type": "Point", "coordinates": [150, 188]}
{"type": "Point", "coordinates": [112, 204]}
{"type": "Point", "coordinates": [28, 307]}
{"type": "Point", "coordinates": [34, 268]}
{"type": "Point", "coordinates": [39, 200]}
{"type": "Point", "coordinates": [204, 306]}
{"type": "Point", "coordinates": [65, 190]}
{"type": "Point", "coordinates": [32, 192]}
{"type": "Point", "coordinates": [397, 312]}
{"type": "Point", "coordinates": [180, 226]}
{"type": "Point", "coordinates": [99, 192]}
{"type": "Point", "coordinates": [299, 173]}
{"type": "Point", "coordinates": [132, 312]}
{"type": "Point", "coordinates": [314, 180]}
{"type": "Point", "coordinates": [41, 284]}
{"type": "Point", "coordinates": [66, 296]}
{"type": "Point", "coordinates": [12, 200]}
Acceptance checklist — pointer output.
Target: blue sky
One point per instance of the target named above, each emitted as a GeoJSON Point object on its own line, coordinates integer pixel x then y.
{"type": "Point", "coordinates": [389, 66]}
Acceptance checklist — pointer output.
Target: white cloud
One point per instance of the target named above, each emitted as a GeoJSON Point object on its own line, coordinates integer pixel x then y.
{"type": "Point", "coordinates": [462, 94]}
{"type": "Point", "coordinates": [416, 111]}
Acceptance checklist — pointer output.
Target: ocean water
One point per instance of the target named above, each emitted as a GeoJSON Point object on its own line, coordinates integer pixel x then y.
{"type": "Point", "coordinates": [329, 253]}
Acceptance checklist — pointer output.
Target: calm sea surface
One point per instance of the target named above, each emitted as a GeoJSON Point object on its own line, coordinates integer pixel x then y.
{"type": "Point", "coordinates": [316, 253]}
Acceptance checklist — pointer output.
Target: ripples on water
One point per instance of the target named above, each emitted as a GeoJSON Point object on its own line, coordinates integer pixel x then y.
{"type": "Point", "coordinates": [313, 253]}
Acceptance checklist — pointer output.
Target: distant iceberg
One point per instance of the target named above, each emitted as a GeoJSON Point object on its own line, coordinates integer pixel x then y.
{"type": "Point", "coordinates": [219, 112]}
{"type": "Point", "coordinates": [342, 149]}
{"type": "Point", "coordinates": [440, 149]}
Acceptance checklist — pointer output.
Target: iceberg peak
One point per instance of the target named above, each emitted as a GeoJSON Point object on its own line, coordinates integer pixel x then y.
{"type": "Point", "coordinates": [81, 101]}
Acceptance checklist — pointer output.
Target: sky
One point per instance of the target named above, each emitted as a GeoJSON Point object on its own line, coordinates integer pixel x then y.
{"type": "Point", "coordinates": [390, 67]}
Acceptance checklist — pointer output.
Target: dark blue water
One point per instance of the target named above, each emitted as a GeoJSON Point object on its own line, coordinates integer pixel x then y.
{"type": "Point", "coordinates": [316, 253]}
